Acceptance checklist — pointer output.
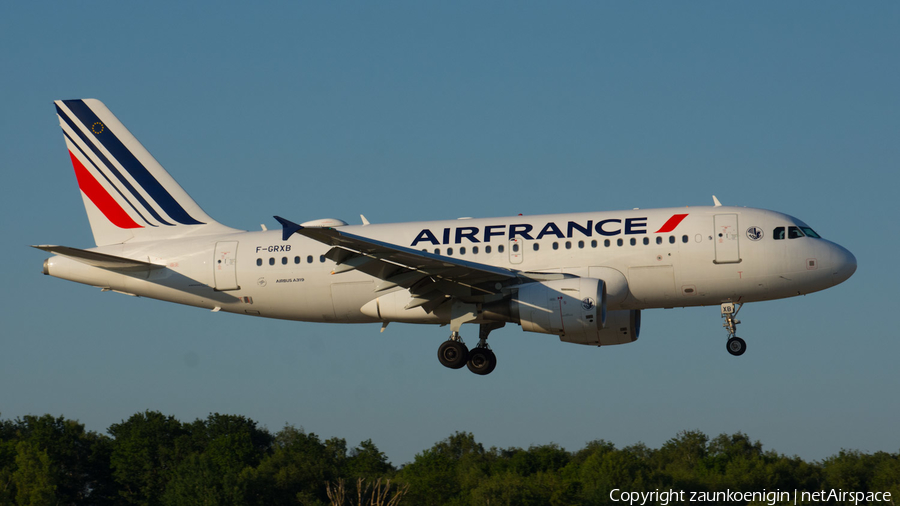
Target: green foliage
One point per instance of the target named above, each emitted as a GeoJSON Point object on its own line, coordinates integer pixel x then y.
{"type": "Point", "coordinates": [147, 449]}
{"type": "Point", "coordinates": [154, 459]}
{"type": "Point", "coordinates": [33, 477]}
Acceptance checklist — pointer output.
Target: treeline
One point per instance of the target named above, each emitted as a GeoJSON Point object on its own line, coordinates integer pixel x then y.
{"type": "Point", "coordinates": [154, 459]}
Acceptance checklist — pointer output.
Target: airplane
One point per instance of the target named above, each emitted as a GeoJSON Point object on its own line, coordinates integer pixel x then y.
{"type": "Point", "coordinates": [585, 277]}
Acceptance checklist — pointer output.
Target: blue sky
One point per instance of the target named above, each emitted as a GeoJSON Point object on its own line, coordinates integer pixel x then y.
{"type": "Point", "coordinates": [410, 111]}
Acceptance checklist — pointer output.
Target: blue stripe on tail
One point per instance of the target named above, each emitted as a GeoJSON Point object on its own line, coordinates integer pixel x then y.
{"type": "Point", "coordinates": [112, 168]}
{"type": "Point", "coordinates": [134, 167]}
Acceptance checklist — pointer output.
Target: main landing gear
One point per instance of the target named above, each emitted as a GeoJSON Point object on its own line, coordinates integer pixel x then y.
{"type": "Point", "coordinates": [735, 345]}
{"type": "Point", "coordinates": [481, 360]}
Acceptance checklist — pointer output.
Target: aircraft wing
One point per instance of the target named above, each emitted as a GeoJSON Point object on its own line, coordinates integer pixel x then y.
{"type": "Point", "coordinates": [430, 278]}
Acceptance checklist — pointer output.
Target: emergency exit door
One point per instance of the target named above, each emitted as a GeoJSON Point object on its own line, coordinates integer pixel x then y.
{"type": "Point", "coordinates": [726, 239]}
{"type": "Point", "coordinates": [516, 251]}
{"type": "Point", "coordinates": [225, 265]}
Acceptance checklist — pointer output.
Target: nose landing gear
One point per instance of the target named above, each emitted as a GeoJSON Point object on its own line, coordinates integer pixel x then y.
{"type": "Point", "coordinates": [735, 345]}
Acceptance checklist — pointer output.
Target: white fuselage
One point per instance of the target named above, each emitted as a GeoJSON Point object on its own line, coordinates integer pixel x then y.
{"type": "Point", "coordinates": [712, 255]}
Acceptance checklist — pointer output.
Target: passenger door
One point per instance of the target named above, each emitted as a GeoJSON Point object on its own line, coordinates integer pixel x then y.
{"type": "Point", "coordinates": [726, 239]}
{"type": "Point", "coordinates": [225, 265]}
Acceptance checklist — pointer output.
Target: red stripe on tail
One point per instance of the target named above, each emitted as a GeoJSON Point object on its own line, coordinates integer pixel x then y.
{"type": "Point", "coordinates": [670, 225]}
{"type": "Point", "coordinates": [101, 198]}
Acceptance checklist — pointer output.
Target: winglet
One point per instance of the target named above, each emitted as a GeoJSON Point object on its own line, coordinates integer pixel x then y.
{"type": "Point", "coordinates": [716, 202]}
{"type": "Point", "coordinates": [288, 227]}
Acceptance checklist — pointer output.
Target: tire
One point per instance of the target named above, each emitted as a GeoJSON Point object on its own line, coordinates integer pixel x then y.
{"type": "Point", "coordinates": [736, 346]}
{"type": "Point", "coordinates": [453, 354]}
{"type": "Point", "coordinates": [493, 362]}
{"type": "Point", "coordinates": [482, 361]}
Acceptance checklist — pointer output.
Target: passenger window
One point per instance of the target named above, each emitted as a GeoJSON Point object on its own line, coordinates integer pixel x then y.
{"type": "Point", "coordinates": [633, 241]}
{"type": "Point", "coordinates": [606, 243]}
{"type": "Point", "coordinates": [794, 232]}
{"type": "Point", "coordinates": [646, 241]}
{"type": "Point", "coordinates": [515, 247]}
{"type": "Point", "coordinates": [309, 259]}
{"type": "Point", "coordinates": [474, 250]}
{"type": "Point", "coordinates": [620, 242]}
{"type": "Point", "coordinates": [437, 251]}
{"type": "Point", "coordinates": [283, 260]}
{"type": "Point", "coordinates": [259, 261]}
{"type": "Point", "coordinates": [658, 240]}
{"type": "Point", "coordinates": [778, 233]}
{"type": "Point", "coordinates": [556, 245]}
{"type": "Point", "coordinates": [296, 260]}
{"type": "Point", "coordinates": [500, 249]}
{"type": "Point", "coordinates": [462, 250]}
{"type": "Point", "coordinates": [568, 245]}
{"type": "Point", "coordinates": [594, 243]}
{"type": "Point", "coordinates": [684, 239]}
{"type": "Point", "coordinates": [671, 239]}
{"type": "Point", "coordinates": [487, 249]}
{"type": "Point", "coordinates": [536, 246]}
{"type": "Point", "coordinates": [580, 244]}
{"type": "Point", "coordinates": [271, 261]}
{"type": "Point", "coordinates": [322, 258]}
{"type": "Point", "coordinates": [449, 252]}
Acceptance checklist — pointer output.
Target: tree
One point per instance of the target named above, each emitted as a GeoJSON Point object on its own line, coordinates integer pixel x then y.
{"type": "Point", "coordinates": [146, 450]}
{"type": "Point", "coordinates": [368, 462]}
{"type": "Point", "coordinates": [437, 475]}
{"type": "Point", "coordinates": [679, 458]}
{"type": "Point", "coordinates": [296, 470]}
{"type": "Point", "coordinates": [79, 466]}
{"type": "Point", "coordinates": [33, 477]}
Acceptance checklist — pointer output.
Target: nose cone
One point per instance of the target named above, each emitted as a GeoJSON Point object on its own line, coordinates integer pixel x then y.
{"type": "Point", "coordinates": [843, 264]}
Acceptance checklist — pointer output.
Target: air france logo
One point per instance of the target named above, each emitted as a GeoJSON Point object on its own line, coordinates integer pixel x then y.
{"type": "Point", "coordinates": [754, 233]}
{"type": "Point", "coordinates": [587, 303]}
{"type": "Point", "coordinates": [537, 231]}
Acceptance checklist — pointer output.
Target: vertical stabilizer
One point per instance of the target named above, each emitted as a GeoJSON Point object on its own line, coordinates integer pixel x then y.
{"type": "Point", "coordinates": [127, 194]}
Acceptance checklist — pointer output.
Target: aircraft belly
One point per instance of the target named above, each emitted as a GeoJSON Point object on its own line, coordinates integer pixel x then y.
{"type": "Point", "coordinates": [348, 297]}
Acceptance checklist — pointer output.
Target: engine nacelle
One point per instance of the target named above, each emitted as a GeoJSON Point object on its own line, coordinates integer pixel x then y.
{"type": "Point", "coordinates": [574, 308]}
{"type": "Point", "coordinates": [622, 326]}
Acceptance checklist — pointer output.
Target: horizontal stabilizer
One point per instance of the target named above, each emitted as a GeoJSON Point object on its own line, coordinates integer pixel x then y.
{"type": "Point", "coordinates": [101, 260]}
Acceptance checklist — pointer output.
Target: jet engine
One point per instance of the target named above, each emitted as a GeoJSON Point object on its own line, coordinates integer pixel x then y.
{"type": "Point", "coordinates": [572, 307]}
{"type": "Point", "coordinates": [622, 326]}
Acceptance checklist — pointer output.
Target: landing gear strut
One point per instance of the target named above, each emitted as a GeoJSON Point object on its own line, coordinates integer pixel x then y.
{"type": "Point", "coordinates": [735, 345]}
{"type": "Point", "coordinates": [481, 360]}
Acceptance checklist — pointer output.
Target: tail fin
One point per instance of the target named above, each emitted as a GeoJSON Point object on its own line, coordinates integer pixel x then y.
{"type": "Point", "coordinates": [128, 195]}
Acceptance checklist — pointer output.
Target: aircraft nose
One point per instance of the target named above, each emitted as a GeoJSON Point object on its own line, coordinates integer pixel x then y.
{"type": "Point", "coordinates": [844, 264]}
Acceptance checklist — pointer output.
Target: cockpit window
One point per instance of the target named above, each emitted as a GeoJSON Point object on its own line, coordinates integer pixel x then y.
{"type": "Point", "coordinates": [794, 233]}
{"type": "Point", "coordinates": [810, 232]}
{"type": "Point", "coordinates": [778, 233]}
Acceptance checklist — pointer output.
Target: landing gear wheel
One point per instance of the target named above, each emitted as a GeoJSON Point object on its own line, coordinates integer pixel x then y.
{"type": "Point", "coordinates": [482, 361]}
{"type": "Point", "coordinates": [453, 354]}
{"type": "Point", "coordinates": [736, 346]}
